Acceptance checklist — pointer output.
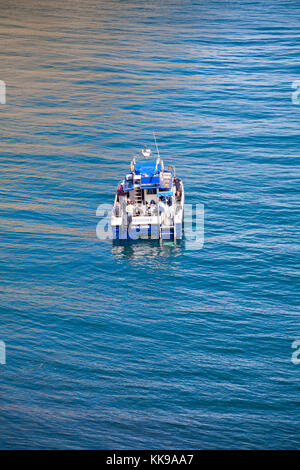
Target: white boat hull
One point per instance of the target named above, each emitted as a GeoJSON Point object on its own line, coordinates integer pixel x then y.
{"type": "Point", "coordinates": [149, 208]}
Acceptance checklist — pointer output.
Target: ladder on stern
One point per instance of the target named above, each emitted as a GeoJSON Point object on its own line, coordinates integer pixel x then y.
{"type": "Point", "coordinates": [138, 195]}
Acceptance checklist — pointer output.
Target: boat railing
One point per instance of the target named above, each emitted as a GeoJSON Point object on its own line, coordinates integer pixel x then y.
{"type": "Point", "coordinates": [123, 213]}
{"type": "Point", "coordinates": [171, 168]}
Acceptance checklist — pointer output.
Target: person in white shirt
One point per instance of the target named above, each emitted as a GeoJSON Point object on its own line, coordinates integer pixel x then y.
{"type": "Point", "coordinates": [129, 211]}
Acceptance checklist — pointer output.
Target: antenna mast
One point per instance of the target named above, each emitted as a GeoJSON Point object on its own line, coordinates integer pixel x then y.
{"type": "Point", "coordinates": [156, 145]}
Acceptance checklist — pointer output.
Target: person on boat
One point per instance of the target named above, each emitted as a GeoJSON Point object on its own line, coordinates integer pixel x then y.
{"type": "Point", "coordinates": [161, 204]}
{"type": "Point", "coordinates": [129, 211]}
{"type": "Point", "coordinates": [150, 208]}
{"type": "Point", "coordinates": [177, 182]}
{"type": "Point", "coordinates": [120, 192]}
{"type": "Point", "coordinates": [162, 208]}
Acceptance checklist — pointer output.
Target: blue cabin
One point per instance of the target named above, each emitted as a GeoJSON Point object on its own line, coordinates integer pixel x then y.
{"type": "Point", "coordinates": [147, 175]}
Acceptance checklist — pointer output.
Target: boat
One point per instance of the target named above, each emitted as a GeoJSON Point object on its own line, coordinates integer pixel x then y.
{"type": "Point", "coordinates": [149, 201]}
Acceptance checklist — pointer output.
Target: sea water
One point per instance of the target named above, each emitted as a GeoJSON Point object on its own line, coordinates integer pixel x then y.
{"type": "Point", "coordinates": [148, 345]}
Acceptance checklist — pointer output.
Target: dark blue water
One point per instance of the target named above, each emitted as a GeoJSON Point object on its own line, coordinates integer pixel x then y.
{"type": "Point", "coordinates": [149, 346]}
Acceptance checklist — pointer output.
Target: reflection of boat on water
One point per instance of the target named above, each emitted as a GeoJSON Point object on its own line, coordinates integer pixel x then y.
{"type": "Point", "coordinates": [146, 251]}
{"type": "Point", "coordinates": [149, 202]}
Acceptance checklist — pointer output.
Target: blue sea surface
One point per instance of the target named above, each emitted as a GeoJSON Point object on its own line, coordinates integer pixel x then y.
{"type": "Point", "coordinates": [142, 345]}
